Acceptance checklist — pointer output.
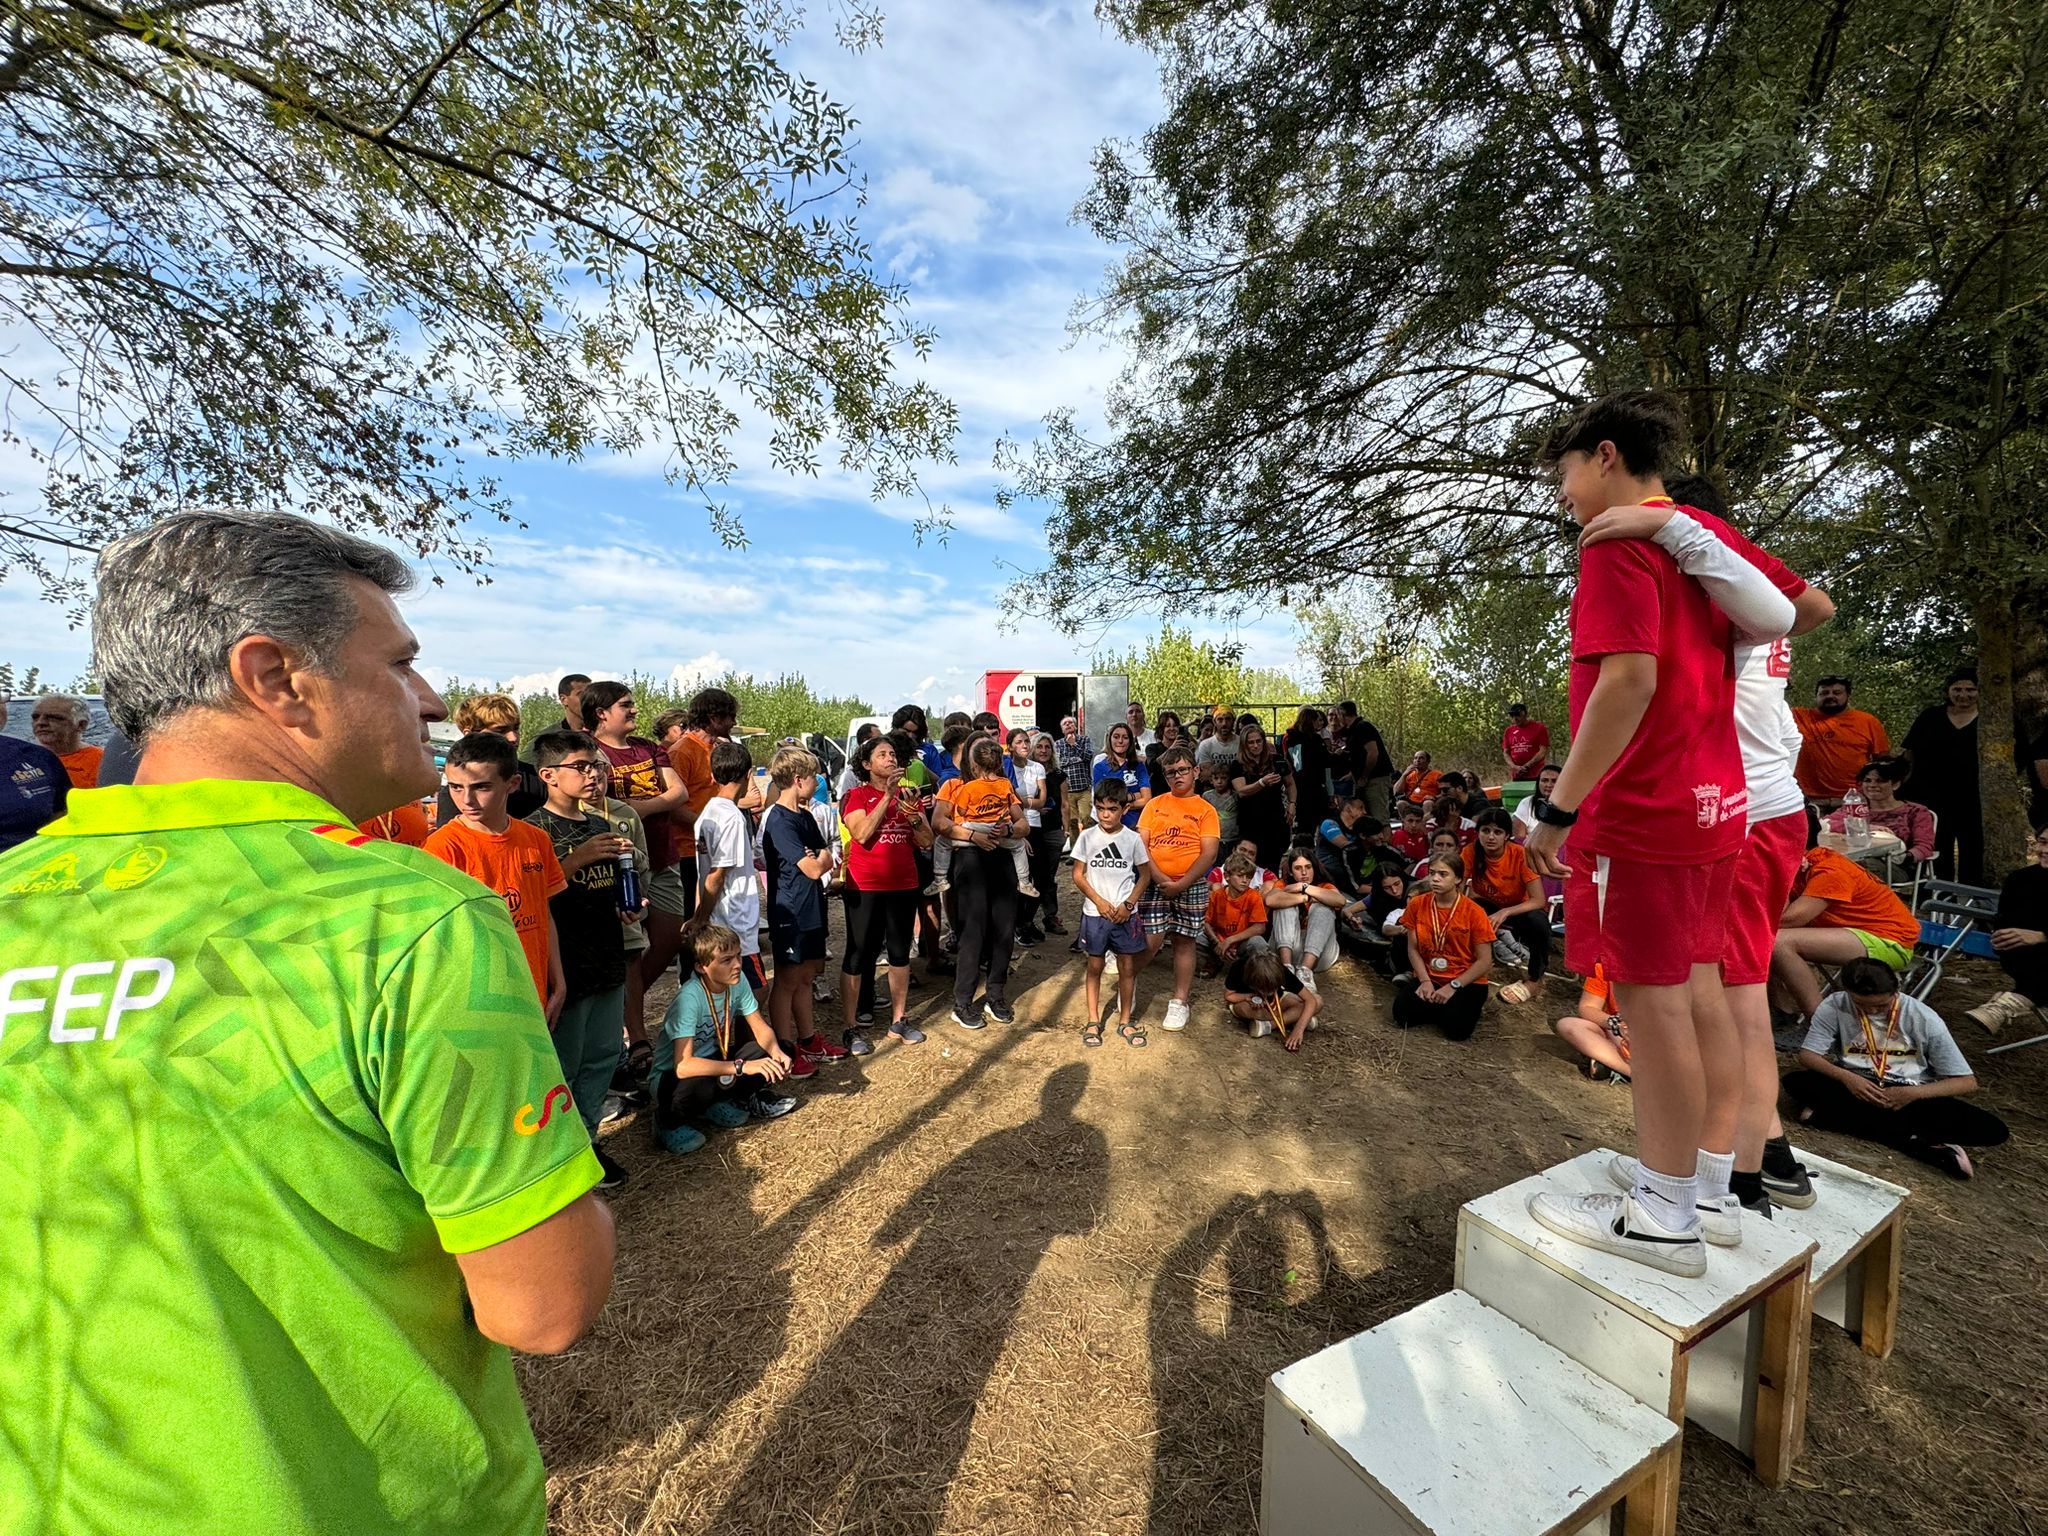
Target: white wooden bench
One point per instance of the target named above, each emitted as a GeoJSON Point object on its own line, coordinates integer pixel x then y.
{"type": "Point", "coordinates": [1728, 1350]}
{"type": "Point", "coordinates": [1451, 1420]}
{"type": "Point", "coordinates": [1858, 1223]}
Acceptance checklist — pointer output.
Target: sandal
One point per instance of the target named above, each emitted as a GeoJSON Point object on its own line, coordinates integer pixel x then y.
{"type": "Point", "coordinates": [1515, 992]}
{"type": "Point", "coordinates": [1091, 1034]}
{"type": "Point", "coordinates": [1133, 1032]}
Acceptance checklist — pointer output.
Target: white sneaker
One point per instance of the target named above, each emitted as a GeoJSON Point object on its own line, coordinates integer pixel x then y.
{"type": "Point", "coordinates": [1999, 1010]}
{"type": "Point", "coordinates": [1176, 1015]}
{"type": "Point", "coordinates": [1026, 888]}
{"type": "Point", "coordinates": [1617, 1224]}
{"type": "Point", "coordinates": [1257, 1028]}
{"type": "Point", "coordinates": [1720, 1218]}
{"type": "Point", "coordinates": [1307, 978]}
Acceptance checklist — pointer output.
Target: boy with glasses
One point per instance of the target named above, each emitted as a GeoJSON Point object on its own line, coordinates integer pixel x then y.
{"type": "Point", "coordinates": [1181, 841]}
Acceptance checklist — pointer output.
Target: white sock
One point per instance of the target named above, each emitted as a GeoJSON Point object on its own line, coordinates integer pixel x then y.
{"type": "Point", "coordinates": [1713, 1170]}
{"type": "Point", "coordinates": [1672, 1201]}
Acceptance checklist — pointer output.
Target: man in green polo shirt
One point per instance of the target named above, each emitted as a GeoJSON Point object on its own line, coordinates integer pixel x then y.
{"type": "Point", "coordinates": [288, 1156]}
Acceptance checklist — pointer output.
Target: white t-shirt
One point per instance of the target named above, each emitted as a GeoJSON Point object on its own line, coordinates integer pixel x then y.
{"type": "Point", "coordinates": [1030, 781]}
{"type": "Point", "coordinates": [1112, 860]}
{"type": "Point", "coordinates": [725, 840]}
{"type": "Point", "coordinates": [1764, 727]}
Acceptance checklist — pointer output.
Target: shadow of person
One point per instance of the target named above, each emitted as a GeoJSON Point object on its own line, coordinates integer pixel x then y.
{"type": "Point", "coordinates": [874, 1436]}
{"type": "Point", "coordinates": [1254, 1287]}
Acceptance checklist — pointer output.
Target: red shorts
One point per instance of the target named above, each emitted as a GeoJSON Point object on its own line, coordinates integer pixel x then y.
{"type": "Point", "coordinates": [1764, 872]}
{"type": "Point", "coordinates": [1648, 925]}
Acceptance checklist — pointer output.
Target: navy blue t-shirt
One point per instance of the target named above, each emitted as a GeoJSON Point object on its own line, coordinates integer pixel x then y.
{"type": "Point", "coordinates": [33, 789]}
{"type": "Point", "coordinates": [796, 902]}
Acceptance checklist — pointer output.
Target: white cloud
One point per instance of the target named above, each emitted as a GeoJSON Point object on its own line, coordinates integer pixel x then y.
{"type": "Point", "coordinates": [916, 203]}
{"type": "Point", "coordinates": [686, 676]}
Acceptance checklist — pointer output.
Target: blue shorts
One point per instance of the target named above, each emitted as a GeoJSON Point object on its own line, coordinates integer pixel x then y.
{"type": "Point", "coordinates": [1099, 935]}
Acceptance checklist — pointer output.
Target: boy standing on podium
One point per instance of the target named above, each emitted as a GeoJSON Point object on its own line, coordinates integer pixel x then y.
{"type": "Point", "coordinates": [1654, 797]}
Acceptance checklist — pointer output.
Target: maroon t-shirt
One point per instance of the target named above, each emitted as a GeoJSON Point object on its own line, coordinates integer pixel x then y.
{"type": "Point", "coordinates": [1676, 795]}
{"type": "Point", "coordinates": [636, 775]}
{"type": "Point", "coordinates": [888, 863]}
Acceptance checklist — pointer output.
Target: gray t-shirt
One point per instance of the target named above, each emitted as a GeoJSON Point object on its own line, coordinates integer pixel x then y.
{"type": "Point", "coordinates": [1917, 1046]}
{"type": "Point", "coordinates": [1214, 749]}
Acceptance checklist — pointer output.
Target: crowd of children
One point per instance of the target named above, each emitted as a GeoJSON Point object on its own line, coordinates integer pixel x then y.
{"type": "Point", "coordinates": [1213, 850]}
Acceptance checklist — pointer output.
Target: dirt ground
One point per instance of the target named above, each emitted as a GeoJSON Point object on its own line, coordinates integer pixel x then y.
{"type": "Point", "coordinates": [998, 1282]}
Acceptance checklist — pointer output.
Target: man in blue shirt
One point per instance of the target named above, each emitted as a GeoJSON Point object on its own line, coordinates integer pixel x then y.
{"type": "Point", "coordinates": [33, 787]}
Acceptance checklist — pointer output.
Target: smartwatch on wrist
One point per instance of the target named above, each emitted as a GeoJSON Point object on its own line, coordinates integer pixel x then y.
{"type": "Point", "coordinates": [1551, 815]}
{"type": "Point", "coordinates": [1456, 985]}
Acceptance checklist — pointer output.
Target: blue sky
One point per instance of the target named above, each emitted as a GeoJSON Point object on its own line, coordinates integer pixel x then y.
{"type": "Point", "coordinates": [977, 122]}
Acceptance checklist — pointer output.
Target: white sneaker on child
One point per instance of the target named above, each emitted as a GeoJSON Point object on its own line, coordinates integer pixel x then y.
{"type": "Point", "coordinates": [1176, 1015]}
{"type": "Point", "coordinates": [1307, 977]}
{"type": "Point", "coordinates": [1720, 1218]}
{"type": "Point", "coordinates": [1027, 888]}
{"type": "Point", "coordinates": [1617, 1224]}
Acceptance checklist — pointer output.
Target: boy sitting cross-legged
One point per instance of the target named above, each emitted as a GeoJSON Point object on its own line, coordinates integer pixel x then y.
{"type": "Point", "coordinates": [716, 1057]}
{"type": "Point", "coordinates": [1111, 871]}
{"type": "Point", "coordinates": [1236, 921]}
{"type": "Point", "coordinates": [1266, 996]}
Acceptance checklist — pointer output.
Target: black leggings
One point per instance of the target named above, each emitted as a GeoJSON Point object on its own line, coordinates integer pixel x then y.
{"type": "Point", "coordinates": [1456, 1018]}
{"type": "Point", "coordinates": [877, 923]}
{"type": "Point", "coordinates": [1045, 869]}
{"type": "Point", "coordinates": [681, 1099]}
{"type": "Point", "coordinates": [985, 918]}
{"type": "Point", "coordinates": [1533, 929]}
{"type": "Point", "coordinates": [1914, 1130]}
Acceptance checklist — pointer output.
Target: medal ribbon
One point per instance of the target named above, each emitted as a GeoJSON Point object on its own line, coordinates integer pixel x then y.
{"type": "Point", "coordinates": [1880, 1056]}
{"type": "Point", "coordinates": [1439, 928]}
{"type": "Point", "coordinates": [721, 1023]}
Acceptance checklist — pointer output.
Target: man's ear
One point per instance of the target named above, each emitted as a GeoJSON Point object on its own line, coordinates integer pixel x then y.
{"type": "Point", "coordinates": [270, 676]}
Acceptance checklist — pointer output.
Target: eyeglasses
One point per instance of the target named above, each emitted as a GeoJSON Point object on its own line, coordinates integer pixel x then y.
{"type": "Point", "coordinates": [1180, 773]}
{"type": "Point", "coordinates": [583, 766]}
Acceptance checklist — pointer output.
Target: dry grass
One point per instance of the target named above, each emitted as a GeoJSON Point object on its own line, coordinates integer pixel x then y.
{"type": "Point", "coordinates": [1001, 1283]}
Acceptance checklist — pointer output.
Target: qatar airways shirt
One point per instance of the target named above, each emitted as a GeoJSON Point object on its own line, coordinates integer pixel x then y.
{"type": "Point", "coordinates": [1676, 794]}
{"type": "Point", "coordinates": [1721, 559]}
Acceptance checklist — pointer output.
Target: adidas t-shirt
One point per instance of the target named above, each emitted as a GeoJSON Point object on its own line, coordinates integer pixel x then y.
{"type": "Point", "coordinates": [260, 1077]}
{"type": "Point", "coordinates": [1112, 861]}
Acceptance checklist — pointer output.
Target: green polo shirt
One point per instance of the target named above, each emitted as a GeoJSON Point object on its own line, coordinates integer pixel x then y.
{"type": "Point", "coordinates": [259, 1079]}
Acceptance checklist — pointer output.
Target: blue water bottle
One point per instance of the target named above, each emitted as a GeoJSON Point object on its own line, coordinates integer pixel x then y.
{"type": "Point", "coordinates": [629, 882]}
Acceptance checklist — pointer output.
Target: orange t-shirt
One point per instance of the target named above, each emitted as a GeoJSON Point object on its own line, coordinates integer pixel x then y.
{"type": "Point", "coordinates": [1507, 875]}
{"type": "Point", "coordinates": [1173, 827]}
{"type": "Point", "coordinates": [407, 824]}
{"type": "Point", "coordinates": [1834, 748]}
{"type": "Point", "coordinates": [520, 865]}
{"type": "Point", "coordinates": [1420, 786]}
{"type": "Point", "coordinates": [1855, 898]}
{"type": "Point", "coordinates": [982, 802]}
{"type": "Point", "coordinates": [691, 759]}
{"type": "Point", "coordinates": [1453, 937]}
{"type": "Point", "coordinates": [1231, 913]}
{"type": "Point", "coordinates": [83, 766]}
{"type": "Point", "coordinates": [1597, 987]}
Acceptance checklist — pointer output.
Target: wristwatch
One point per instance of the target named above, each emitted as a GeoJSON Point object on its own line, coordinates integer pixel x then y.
{"type": "Point", "coordinates": [1552, 815]}
{"type": "Point", "coordinates": [1456, 985]}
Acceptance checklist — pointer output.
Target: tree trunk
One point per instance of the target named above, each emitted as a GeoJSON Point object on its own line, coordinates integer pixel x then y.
{"type": "Point", "coordinates": [2005, 801]}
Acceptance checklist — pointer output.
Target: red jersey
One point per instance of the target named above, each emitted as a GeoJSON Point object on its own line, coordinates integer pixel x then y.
{"type": "Point", "coordinates": [1409, 845]}
{"type": "Point", "coordinates": [1676, 794]}
{"type": "Point", "coordinates": [887, 862]}
{"type": "Point", "coordinates": [1529, 739]}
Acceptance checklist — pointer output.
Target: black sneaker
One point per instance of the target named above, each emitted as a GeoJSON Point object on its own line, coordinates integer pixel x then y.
{"type": "Point", "coordinates": [1760, 1208]}
{"type": "Point", "coordinates": [615, 1175]}
{"type": "Point", "coordinates": [857, 1044]}
{"type": "Point", "coordinates": [998, 1013]}
{"type": "Point", "coordinates": [769, 1106]}
{"type": "Point", "coordinates": [865, 1016]}
{"type": "Point", "coordinates": [1794, 1190]}
{"type": "Point", "coordinates": [1029, 939]}
{"type": "Point", "coordinates": [968, 1020]}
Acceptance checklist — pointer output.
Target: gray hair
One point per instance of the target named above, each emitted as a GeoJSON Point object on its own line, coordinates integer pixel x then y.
{"type": "Point", "coordinates": [175, 598]}
{"type": "Point", "coordinates": [80, 715]}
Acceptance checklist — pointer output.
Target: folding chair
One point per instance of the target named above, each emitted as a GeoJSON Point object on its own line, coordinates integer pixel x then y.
{"type": "Point", "coordinates": [1953, 918]}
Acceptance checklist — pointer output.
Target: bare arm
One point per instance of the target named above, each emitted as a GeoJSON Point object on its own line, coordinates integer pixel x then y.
{"type": "Point", "coordinates": [1811, 609]}
{"type": "Point", "coordinates": [540, 1291]}
{"type": "Point", "coordinates": [1801, 911]}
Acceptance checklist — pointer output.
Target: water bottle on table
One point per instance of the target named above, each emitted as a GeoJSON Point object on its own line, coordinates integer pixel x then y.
{"type": "Point", "coordinates": [1855, 820]}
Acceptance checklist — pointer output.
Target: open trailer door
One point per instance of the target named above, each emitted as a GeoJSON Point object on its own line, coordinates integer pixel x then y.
{"type": "Point", "coordinates": [1104, 698]}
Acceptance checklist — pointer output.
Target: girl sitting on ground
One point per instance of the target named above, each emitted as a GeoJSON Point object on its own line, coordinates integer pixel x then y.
{"type": "Point", "coordinates": [1267, 997]}
{"type": "Point", "coordinates": [1596, 1031]}
{"type": "Point", "coordinates": [1508, 891]}
{"type": "Point", "coordinates": [1378, 917]}
{"type": "Point", "coordinates": [1302, 909]}
{"type": "Point", "coordinates": [1450, 950]}
{"type": "Point", "coordinates": [1881, 1065]}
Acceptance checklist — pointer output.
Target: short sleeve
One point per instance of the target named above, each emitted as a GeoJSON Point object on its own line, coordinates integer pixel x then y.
{"type": "Point", "coordinates": [1830, 882]}
{"type": "Point", "coordinates": [468, 1086]}
{"type": "Point", "coordinates": [743, 1000]}
{"type": "Point", "coordinates": [1822, 1029]}
{"type": "Point", "coordinates": [1482, 925]}
{"type": "Point", "coordinates": [551, 867]}
{"type": "Point", "coordinates": [1944, 1057]}
{"type": "Point", "coordinates": [1258, 908]}
{"type": "Point", "coordinates": [1620, 601]}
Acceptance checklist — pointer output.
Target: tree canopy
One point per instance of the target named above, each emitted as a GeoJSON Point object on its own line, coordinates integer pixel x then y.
{"type": "Point", "coordinates": [1373, 250]}
{"type": "Point", "coordinates": [333, 257]}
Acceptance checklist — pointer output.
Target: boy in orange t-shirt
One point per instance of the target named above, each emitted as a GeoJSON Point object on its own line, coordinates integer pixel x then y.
{"type": "Point", "coordinates": [1182, 835]}
{"type": "Point", "coordinates": [1235, 921]}
{"type": "Point", "coordinates": [510, 857]}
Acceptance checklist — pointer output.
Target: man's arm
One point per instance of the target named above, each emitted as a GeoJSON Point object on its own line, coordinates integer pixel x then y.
{"type": "Point", "coordinates": [539, 1292]}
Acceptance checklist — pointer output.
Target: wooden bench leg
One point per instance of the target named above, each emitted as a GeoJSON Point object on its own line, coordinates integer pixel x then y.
{"type": "Point", "coordinates": [1650, 1508]}
{"type": "Point", "coordinates": [1781, 1380]}
{"type": "Point", "coordinates": [1881, 1290]}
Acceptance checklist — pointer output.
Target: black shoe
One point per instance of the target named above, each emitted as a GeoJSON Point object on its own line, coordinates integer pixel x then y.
{"type": "Point", "coordinates": [1760, 1208]}
{"type": "Point", "coordinates": [968, 1020]}
{"type": "Point", "coordinates": [615, 1176]}
{"type": "Point", "coordinates": [1029, 938]}
{"type": "Point", "coordinates": [1794, 1190]}
{"type": "Point", "coordinates": [769, 1106]}
{"type": "Point", "coordinates": [997, 1013]}
{"type": "Point", "coordinates": [865, 1016]}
